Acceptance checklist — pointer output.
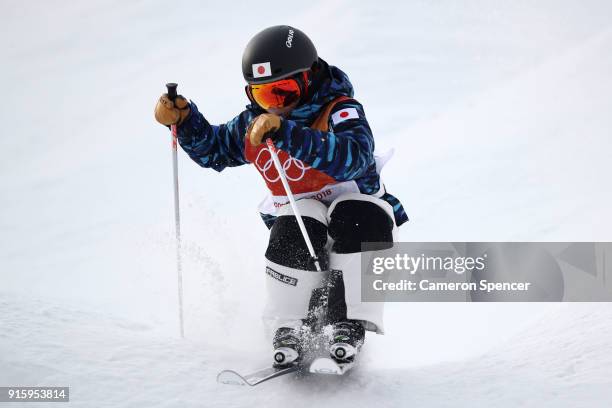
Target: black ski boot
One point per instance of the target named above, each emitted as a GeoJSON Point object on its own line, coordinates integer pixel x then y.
{"type": "Point", "coordinates": [347, 338]}
{"type": "Point", "coordinates": [287, 345]}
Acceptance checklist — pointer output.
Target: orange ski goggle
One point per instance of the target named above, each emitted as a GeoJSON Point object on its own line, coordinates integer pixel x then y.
{"type": "Point", "coordinates": [277, 94]}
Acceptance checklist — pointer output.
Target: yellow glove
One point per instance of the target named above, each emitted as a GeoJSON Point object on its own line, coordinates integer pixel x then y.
{"type": "Point", "coordinates": [263, 127]}
{"type": "Point", "coordinates": [171, 113]}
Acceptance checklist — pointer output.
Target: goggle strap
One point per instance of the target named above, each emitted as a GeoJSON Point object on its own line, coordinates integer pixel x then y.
{"type": "Point", "coordinates": [305, 77]}
{"type": "Point", "coordinates": [247, 90]}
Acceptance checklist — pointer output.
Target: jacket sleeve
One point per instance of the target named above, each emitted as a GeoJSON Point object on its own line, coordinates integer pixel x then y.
{"type": "Point", "coordinates": [346, 152]}
{"type": "Point", "coordinates": [216, 147]}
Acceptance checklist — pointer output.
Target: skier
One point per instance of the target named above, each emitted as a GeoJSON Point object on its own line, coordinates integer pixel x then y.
{"type": "Point", "coordinates": [326, 149]}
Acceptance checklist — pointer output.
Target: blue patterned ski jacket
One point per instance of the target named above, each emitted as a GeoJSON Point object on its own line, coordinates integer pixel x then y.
{"type": "Point", "coordinates": [346, 152]}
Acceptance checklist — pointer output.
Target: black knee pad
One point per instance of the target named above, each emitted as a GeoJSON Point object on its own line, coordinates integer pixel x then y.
{"type": "Point", "coordinates": [288, 248]}
{"type": "Point", "coordinates": [355, 221]}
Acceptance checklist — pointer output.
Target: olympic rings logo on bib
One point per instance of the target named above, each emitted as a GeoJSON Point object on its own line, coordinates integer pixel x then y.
{"type": "Point", "coordinates": [294, 169]}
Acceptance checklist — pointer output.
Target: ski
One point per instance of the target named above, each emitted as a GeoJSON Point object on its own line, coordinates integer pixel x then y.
{"type": "Point", "coordinates": [325, 365]}
{"type": "Point", "coordinates": [316, 359]}
{"type": "Point", "coordinates": [232, 377]}
{"type": "Point", "coordinates": [319, 365]}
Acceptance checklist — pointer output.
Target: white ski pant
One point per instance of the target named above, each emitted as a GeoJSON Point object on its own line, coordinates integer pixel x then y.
{"type": "Point", "coordinates": [289, 280]}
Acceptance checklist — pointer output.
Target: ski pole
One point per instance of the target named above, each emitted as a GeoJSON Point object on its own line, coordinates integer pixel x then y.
{"type": "Point", "coordinates": [177, 216]}
{"type": "Point", "coordinates": [294, 206]}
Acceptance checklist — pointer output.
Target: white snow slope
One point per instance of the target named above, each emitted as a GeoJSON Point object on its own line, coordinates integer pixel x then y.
{"type": "Point", "coordinates": [499, 116]}
{"type": "Point", "coordinates": [115, 363]}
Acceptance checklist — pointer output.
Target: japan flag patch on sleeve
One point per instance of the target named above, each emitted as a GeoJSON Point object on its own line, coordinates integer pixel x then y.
{"type": "Point", "coordinates": [344, 114]}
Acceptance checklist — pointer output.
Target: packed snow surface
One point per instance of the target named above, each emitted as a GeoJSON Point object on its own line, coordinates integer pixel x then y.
{"type": "Point", "coordinates": [116, 363]}
{"type": "Point", "coordinates": [499, 116]}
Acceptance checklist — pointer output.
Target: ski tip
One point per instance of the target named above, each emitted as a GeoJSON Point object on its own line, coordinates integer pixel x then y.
{"type": "Point", "coordinates": [233, 378]}
{"type": "Point", "coordinates": [230, 377]}
{"type": "Point", "coordinates": [325, 365]}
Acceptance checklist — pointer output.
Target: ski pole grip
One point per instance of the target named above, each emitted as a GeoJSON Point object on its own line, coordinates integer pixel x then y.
{"type": "Point", "coordinates": [171, 90]}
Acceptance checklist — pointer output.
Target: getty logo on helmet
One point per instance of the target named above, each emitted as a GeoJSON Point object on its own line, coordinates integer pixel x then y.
{"type": "Point", "coordinates": [289, 39]}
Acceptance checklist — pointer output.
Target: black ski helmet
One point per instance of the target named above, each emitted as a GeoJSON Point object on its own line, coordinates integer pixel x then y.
{"type": "Point", "coordinates": [277, 52]}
